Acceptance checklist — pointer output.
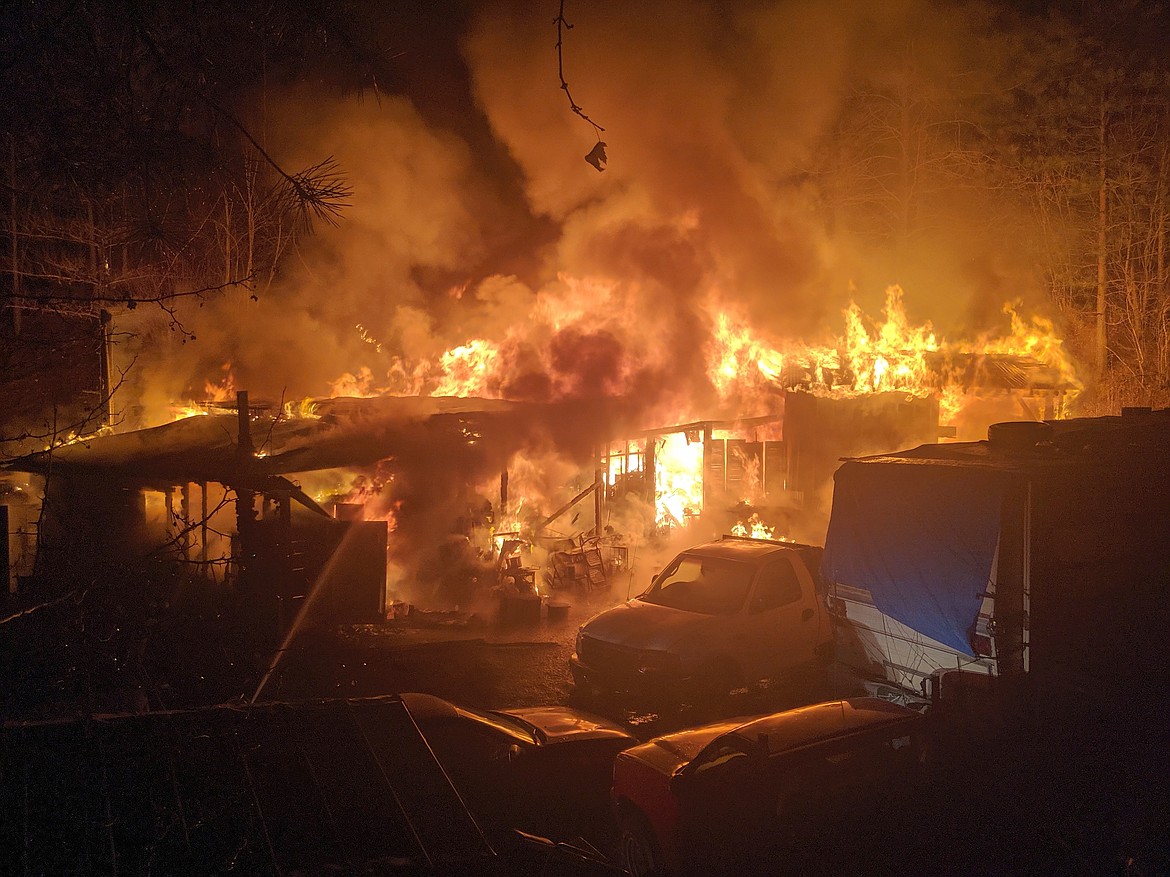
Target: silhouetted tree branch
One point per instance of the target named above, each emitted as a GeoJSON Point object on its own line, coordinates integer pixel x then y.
{"type": "Point", "coordinates": [596, 156]}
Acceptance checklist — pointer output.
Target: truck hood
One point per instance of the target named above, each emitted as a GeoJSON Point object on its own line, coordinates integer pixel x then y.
{"type": "Point", "coordinates": [671, 753]}
{"type": "Point", "coordinates": [557, 724]}
{"type": "Point", "coordinates": [641, 625]}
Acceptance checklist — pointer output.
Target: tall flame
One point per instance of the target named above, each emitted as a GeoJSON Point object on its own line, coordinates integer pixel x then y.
{"type": "Point", "coordinates": [678, 478]}
{"type": "Point", "coordinates": [887, 355]}
{"type": "Point", "coordinates": [466, 370]}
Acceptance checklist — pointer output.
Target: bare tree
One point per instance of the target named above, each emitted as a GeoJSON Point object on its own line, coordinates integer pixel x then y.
{"type": "Point", "coordinates": [1088, 143]}
{"type": "Point", "coordinates": [136, 175]}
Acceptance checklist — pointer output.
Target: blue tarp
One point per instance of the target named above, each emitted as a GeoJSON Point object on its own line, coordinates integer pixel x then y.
{"type": "Point", "coordinates": [921, 538]}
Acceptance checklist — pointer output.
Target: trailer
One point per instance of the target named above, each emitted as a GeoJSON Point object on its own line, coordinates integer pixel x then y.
{"type": "Point", "coordinates": [1033, 566]}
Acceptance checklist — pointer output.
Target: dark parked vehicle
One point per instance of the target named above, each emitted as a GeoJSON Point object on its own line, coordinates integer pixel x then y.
{"type": "Point", "coordinates": [720, 616]}
{"type": "Point", "coordinates": [741, 796]}
{"type": "Point", "coordinates": [329, 787]}
{"type": "Point", "coordinates": [545, 770]}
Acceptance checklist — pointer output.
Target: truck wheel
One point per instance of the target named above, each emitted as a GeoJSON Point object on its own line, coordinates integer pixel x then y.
{"type": "Point", "coordinates": [638, 851]}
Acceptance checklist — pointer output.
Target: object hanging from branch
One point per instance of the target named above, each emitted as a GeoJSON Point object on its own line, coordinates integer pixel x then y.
{"type": "Point", "coordinates": [596, 156]}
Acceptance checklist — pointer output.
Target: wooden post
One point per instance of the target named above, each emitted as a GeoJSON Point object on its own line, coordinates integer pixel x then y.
{"type": "Point", "coordinates": [245, 498]}
{"type": "Point", "coordinates": [599, 478]}
{"type": "Point", "coordinates": [5, 559]}
{"type": "Point", "coordinates": [14, 243]}
{"type": "Point", "coordinates": [1102, 340]}
{"type": "Point", "coordinates": [107, 387]}
{"type": "Point", "coordinates": [185, 523]}
{"type": "Point", "coordinates": [203, 526]}
{"type": "Point", "coordinates": [649, 466]}
{"type": "Point", "coordinates": [243, 419]}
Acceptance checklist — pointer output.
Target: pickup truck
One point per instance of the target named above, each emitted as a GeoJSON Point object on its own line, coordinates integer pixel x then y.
{"type": "Point", "coordinates": [720, 616]}
{"type": "Point", "coordinates": [745, 795]}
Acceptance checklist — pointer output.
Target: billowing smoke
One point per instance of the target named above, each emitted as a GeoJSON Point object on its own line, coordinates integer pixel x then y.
{"type": "Point", "coordinates": [475, 215]}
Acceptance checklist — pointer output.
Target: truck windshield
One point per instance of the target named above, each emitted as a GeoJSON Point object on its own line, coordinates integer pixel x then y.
{"type": "Point", "coordinates": [711, 586]}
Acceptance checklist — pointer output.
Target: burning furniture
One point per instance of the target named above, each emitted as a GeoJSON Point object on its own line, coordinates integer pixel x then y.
{"type": "Point", "coordinates": [586, 564]}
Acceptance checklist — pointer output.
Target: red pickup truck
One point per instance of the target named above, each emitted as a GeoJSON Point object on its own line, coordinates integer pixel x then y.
{"type": "Point", "coordinates": [731, 796]}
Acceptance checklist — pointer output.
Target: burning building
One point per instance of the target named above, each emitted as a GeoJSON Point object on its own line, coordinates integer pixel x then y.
{"type": "Point", "coordinates": [896, 386]}
{"type": "Point", "coordinates": [210, 496]}
{"type": "Point", "coordinates": [451, 491]}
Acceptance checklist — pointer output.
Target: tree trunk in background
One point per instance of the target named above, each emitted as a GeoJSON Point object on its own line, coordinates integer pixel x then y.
{"type": "Point", "coordinates": [1162, 288]}
{"type": "Point", "coordinates": [14, 301]}
{"type": "Point", "coordinates": [1102, 214]}
{"type": "Point", "coordinates": [905, 169]}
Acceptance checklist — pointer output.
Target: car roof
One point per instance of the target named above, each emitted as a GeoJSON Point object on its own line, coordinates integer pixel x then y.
{"type": "Point", "coordinates": [743, 548]}
{"type": "Point", "coordinates": [428, 706]}
{"type": "Point", "coordinates": [427, 710]}
{"type": "Point", "coordinates": [797, 727]}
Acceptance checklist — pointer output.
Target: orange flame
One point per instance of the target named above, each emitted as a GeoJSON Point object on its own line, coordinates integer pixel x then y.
{"type": "Point", "coordinates": [223, 390]}
{"type": "Point", "coordinates": [755, 528]}
{"type": "Point", "coordinates": [889, 355]}
{"type": "Point", "coordinates": [678, 478]}
{"type": "Point", "coordinates": [466, 370]}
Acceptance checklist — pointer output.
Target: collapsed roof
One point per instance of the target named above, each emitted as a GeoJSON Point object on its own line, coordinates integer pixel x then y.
{"type": "Point", "coordinates": [336, 433]}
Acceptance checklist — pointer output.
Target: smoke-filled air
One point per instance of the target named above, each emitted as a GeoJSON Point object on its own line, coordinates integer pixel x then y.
{"type": "Point", "coordinates": [590, 282]}
{"type": "Point", "coordinates": [661, 240]}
